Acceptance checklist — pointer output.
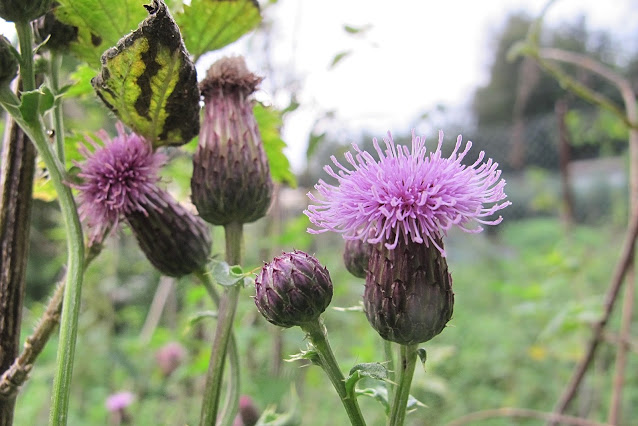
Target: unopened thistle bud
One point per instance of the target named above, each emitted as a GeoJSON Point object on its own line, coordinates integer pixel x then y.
{"type": "Point", "coordinates": [231, 177]}
{"type": "Point", "coordinates": [408, 295]}
{"type": "Point", "coordinates": [8, 62]}
{"type": "Point", "coordinates": [356, 255]}
{"type": "Point", "coordinates": [293, 289]}
{"type": "Point", "coordinates": [23, 10]}
{"type": "Point", "coordinates": [60, 35]}
{"type": "Point", "coordinates": [174, 240]}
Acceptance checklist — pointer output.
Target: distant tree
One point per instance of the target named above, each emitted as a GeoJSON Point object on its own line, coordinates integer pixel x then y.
{"type": "Point", "coordinates": [514, 110]}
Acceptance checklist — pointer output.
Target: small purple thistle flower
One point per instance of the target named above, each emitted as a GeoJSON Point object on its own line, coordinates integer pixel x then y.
{"type": "Point", "coordinates": [116, 178]}
{"type": "Point", "coordinates": [407, 193]}
{"type": "Point", "coordinates": [119, 401]}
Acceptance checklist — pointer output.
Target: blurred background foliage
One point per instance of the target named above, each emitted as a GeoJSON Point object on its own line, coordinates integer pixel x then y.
{"type": "Point", "coordinates": [527, 291]}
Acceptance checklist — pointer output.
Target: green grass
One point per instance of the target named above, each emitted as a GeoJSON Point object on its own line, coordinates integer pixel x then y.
{"type": "Point", "coordinates": [524, 302]}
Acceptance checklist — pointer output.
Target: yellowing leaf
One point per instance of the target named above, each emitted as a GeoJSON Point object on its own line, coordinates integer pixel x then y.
{"type": "Point", "coordinates": [212, 24]}
{"type": "Point", "coordinates": [149, 81]}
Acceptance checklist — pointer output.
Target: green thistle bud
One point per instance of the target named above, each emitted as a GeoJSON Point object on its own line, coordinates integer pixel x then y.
{"type": "Point", "coordinates": [23, 10]}
{"type": "Point", "coordinates": [8, 62]}
{"type": "Point", "coordinates": [174, 240]}
{"type": "Point", "coordinates": [231, 177]}
{"type": "Point", "coordinates": [293, 289]}
{"type": "Point", "coordinates": [408, 294]}
{"type": "Point", "coordinates": [356, 255]}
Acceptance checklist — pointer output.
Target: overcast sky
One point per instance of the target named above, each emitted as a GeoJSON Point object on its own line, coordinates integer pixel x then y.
{"type": "Point", "coordinates": [417, 54]}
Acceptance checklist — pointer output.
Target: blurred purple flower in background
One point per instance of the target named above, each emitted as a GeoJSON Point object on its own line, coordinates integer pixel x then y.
{"type": "Point", "coordinates": [119, 401]}
{"type": "Point", "coordinates": [407, 194]}
{"type": "Point", "coordinates": [169, 357]}
{"type": "Point", "coordinates": [116, 178]}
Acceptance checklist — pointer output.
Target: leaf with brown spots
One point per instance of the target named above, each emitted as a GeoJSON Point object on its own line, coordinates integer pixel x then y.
{"type": "Point", "coordinates": [149, 81]}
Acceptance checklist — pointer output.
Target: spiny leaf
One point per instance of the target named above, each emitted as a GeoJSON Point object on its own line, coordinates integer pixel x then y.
{"type": "Point", "coordinates": [212, 24]}
{"type": "Point", "coordinates": [149, 81]}
{"type": "Point", "coordinates": [373, 370]}
{"type": "Point", "coordinates": [227, 275]}
{"type": "Point", "coordinates": [270, 122]}
{"type": "Point", "coordinates": [100, 23]}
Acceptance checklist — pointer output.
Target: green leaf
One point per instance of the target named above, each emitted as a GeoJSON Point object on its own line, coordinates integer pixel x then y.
{"type": "Point", "coordinates": [46, 100]}
{"type": "Point", "coordinates": [199, 316]}
{"type": "Point", "coordinates": [212, 24]}
{"type": "Point", "coordinates": [422, 356]}
{"type": "Point", "coordinates": [100, 23]}
{"type": "Point", "coordinates": [373, 370]}
{"type": "Point", "coordinates": [269, 121]}
{"type": "Point", "coordinates": [310, 354]}
{"type": "Point", "coordinates": [226, 275]}
{"type": "Point", "coordinates": [350, 29]}
{"type": "Point", "coordinates": [339, 57]}
{"type": "Point", "coordinates": [81, 77]}
{"type": "Point", "coordinates": [380, 393]}
{"type": "Point", "coordinates": [35, 102]}
{"type": "Point", "coordinates": [150, 83]}
{"type": "Point", "coordinates": [313, 143]}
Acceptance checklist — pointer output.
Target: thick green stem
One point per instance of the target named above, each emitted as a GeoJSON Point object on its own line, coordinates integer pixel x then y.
{"type": "Point", "coordinates": [318, 336]}
{"type": "Point", "coordinates": [75, 247]}
{"type": "Point", "coordinates": [225, 317]}
{"type": "Point", "coordinates": [406, 366]}
{"type": "Point", "coordinates": [231, 403]}
{"type": "Point", "coordinates": [58, 121]}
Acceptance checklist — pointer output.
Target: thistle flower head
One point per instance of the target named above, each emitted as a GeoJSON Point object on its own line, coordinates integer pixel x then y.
{"type": "Point", "coordinates": [117, 178]}
{"type": "Point", "coordinates": [231, 179]}
{"type": "Point", "coordinates": [408, 193]}
{"type": "Point", "coordinates": [293, 289]}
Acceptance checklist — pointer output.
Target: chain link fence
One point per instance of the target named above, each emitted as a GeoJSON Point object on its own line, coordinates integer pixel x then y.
{"type": "Point", "coordinates": [586, 183]}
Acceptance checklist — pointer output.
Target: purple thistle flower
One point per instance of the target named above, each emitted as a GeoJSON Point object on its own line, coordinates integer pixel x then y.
{"type": "Point", "coordinates": [116, 179]}
{"type": "Point", "coordinates": [119, 401]}
{"type": "Point", "coordinates": [407, 193]}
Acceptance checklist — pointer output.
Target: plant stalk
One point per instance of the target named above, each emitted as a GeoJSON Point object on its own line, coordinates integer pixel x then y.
{"type": "Point", "coordinates": [58, 120]}
{"type": "Point", "coordinates": [231, 402]}
{"type": "Point", "coordinates": [318, 336]}
{"type": "Point", "coordinates": [407, 364]}
{"type": "Point", "coordinates": [223, 333]}
{"type": "Point", "coordinates": [75, 247]}
{"type": "Point", "coordinates": [389, 357]}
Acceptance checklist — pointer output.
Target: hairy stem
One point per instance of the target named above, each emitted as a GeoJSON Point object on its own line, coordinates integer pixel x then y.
{"type": "Point", "coordinates": [318, 336]}
{"type": "Point", "coordinates": [232, 396]}
{"type": "Point", "coordinates": [407, 363]}
{"type": "Point", "coordinates": [225, 318]}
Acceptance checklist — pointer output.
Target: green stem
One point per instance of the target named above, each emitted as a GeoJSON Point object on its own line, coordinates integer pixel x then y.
{"type": "Point", "coordinates": [406, 372]}
{"type": "Point", "coordinates": [58, 120]}
{"type": "Point", "coordinates": [389, 357]}
{"type": "Point", "coordinates": [319, 338]}
{"type": "Point", "coordinates": [226, 315]}
{"type": "Point", "coordinates": [231, 403]}
{"type": "Point", "coordinates": [75, 247]}
{"type": "Point", "coordinates": [25, 39]}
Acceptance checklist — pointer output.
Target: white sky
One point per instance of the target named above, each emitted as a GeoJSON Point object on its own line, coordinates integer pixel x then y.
{"type": "Point", "coordinates": [416, 55]}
